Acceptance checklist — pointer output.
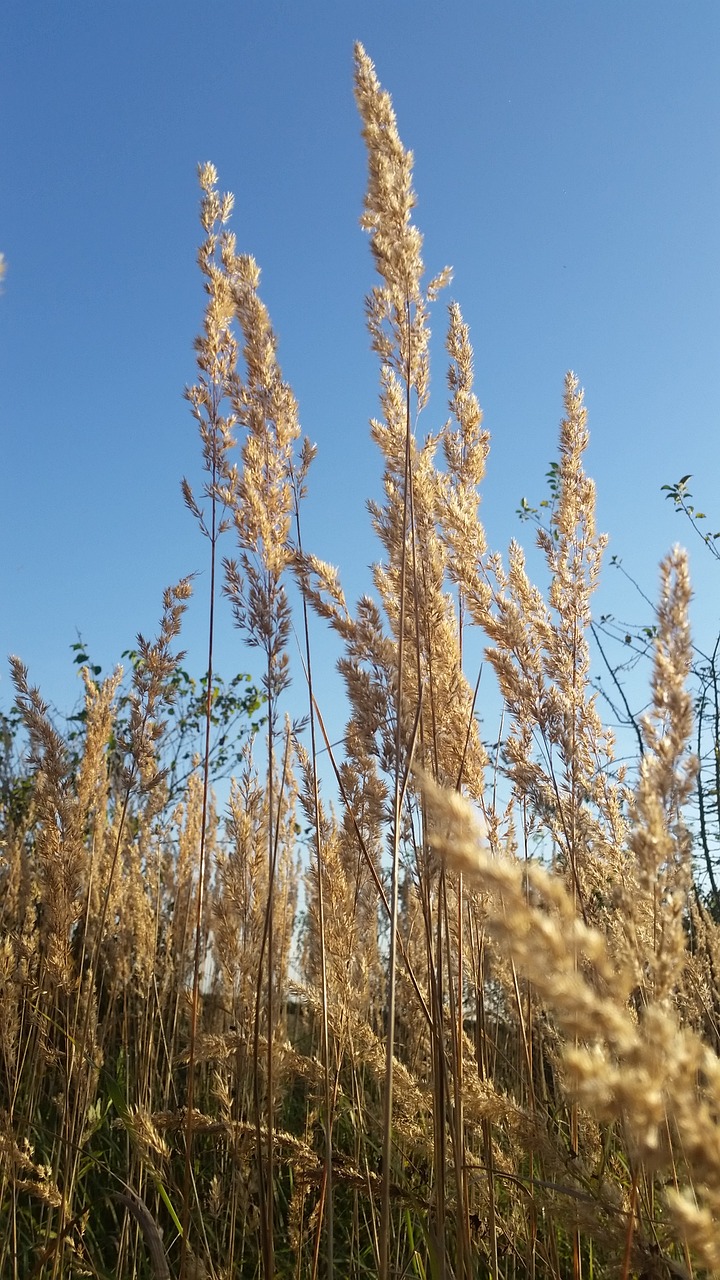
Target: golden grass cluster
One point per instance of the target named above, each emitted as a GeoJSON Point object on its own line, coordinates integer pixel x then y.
{"type": "Point", "coordinates": [466, 1025]}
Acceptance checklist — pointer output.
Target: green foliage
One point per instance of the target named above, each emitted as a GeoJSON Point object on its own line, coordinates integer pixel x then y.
{"type": "Point", "coordinates": [16, 786]}
{"type": "Point", "coordinates": [235, 707]}
{"type": "Point", "coordinates": [235, 713]}
{"type": "Point", "coordinates": [535, 514]}
{"type": "Point", "coordinates": [680, 495]}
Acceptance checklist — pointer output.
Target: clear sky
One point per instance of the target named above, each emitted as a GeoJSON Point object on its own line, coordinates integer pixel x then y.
{"type": "Point", "coordinates": [566, 166]}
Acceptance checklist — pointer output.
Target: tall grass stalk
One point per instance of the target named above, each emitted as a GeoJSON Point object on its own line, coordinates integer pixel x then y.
{"type": "Point", "coordinates": [216, 356]}
{"type": "Point", "coordinates": [327, 1211]}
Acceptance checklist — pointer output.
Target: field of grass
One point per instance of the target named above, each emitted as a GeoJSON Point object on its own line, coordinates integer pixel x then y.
{"type": "Point", "coordinates": [458, 1020]}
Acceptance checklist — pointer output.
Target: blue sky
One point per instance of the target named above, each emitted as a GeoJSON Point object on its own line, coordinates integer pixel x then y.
{"type": "Point", "coordinates": [566, 166]}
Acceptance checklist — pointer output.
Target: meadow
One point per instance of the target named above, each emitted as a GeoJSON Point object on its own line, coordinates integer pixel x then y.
{"type": "Point", "coordinates": [449, 1010]}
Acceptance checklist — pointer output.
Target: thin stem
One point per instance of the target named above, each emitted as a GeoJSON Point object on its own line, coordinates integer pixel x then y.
{"type": "Point", "coordinates": [613, 676]}
{"type": "Point", "coordinates": [199, 899]}
{"type": "Point", "coordinates": [394, 885]}
{"type": "Point", "coordinates": [327, 1202]}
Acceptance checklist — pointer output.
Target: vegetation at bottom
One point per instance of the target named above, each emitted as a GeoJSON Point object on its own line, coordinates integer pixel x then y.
{"type": "Point", "coordinates": [450, 1010]}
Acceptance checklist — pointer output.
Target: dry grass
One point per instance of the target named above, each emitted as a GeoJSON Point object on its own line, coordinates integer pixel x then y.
{"type": "Point", "coordinates": [480, 1062]}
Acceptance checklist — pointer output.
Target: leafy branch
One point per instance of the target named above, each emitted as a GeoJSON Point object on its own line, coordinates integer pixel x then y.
{"type": "Point", "coordinates": [680, 495]}
{"type": "Point", "coordinates": [234, 714]}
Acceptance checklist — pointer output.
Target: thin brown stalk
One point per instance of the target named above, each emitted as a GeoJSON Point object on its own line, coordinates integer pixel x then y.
{"type": "Point", "coordinates": [217, 353]}
{"type": "Point", "coordinates": [266, 1169]}
{"type": "Point", "coordinates": [327, 1208]}
{"type": "Point", "coordinates": [197, 947]}
{"type": "Point", "coordinates": [394, 882]}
